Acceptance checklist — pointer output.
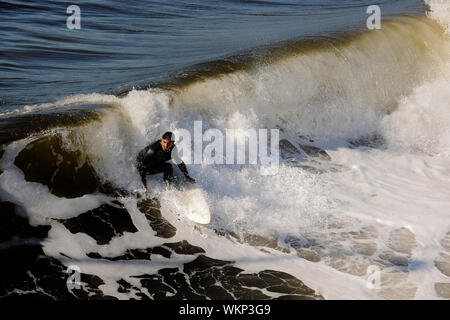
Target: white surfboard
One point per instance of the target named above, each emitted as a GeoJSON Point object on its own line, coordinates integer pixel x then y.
{"type": "Point", "coordinates": [197, 208]}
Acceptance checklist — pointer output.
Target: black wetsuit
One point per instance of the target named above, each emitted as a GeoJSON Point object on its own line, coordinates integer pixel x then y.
{"type": "Point", "coordinates": [152, 159]}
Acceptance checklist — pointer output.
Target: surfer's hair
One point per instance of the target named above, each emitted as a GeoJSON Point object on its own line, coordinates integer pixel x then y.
{"type": "Point", "coordinates": [168, 135]}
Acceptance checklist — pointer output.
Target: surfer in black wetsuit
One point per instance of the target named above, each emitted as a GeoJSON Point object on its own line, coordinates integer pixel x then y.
{"type": "Point", "coordinates": [152, 159]}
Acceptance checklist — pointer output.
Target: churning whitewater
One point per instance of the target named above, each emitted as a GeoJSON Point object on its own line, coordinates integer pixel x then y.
{"type": "Point", "coordinates": [359, 207]}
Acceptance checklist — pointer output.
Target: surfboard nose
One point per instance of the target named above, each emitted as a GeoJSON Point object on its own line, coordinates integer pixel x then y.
{"type": "Point", "coordinates": [197, 206]}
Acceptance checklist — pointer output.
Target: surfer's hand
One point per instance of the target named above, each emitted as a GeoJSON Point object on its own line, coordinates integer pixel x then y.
{"type": "Point", "coordinates": [190, 179]}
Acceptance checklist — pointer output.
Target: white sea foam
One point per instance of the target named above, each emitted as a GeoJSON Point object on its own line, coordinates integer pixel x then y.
{"type": "Point", "coordinates": [340, 215]}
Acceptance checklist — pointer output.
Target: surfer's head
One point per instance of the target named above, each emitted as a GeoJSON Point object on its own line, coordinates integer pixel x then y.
{"type": "Point", "coordinates": [167, 141]}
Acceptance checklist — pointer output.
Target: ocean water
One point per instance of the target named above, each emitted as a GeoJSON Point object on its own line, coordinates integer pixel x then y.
{"type": "Point", "coordinates": [135, 43]}
{"type": "Point", "coordinates": [359, 207]}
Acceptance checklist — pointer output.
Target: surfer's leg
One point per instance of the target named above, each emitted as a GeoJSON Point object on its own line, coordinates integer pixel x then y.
{"type": "Point", "coordinates": [168, 172]}
{"type": "Point", "coordinates": [149, 169]}
{"type": "Point", "coordinates": [153, 168]}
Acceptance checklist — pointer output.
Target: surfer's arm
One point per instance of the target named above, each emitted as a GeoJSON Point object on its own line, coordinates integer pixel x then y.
{"type": "Point", "coordinates": [183, 169]}
{"type": "Point", "coordinates": [144, 180]}
{"type": "Point", "coordinates": [142, 158]}
{"type": "Point", "coordinates": [143, 175]}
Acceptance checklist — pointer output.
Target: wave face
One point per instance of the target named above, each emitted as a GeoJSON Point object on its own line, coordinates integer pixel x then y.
{"type": "Point", "coordinates": [330, 89]}
{"type": "Point", "coordinates": [138, 44]}
{"type": "Point", "coordinates": [362, 184]}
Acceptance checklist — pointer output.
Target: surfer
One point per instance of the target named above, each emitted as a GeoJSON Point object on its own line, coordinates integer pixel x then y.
{"type": "Point", "coordinates": [152, 159]}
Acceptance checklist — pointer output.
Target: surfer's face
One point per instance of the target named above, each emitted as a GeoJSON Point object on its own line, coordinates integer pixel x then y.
{"type": "Point", "coordinates": [166, 144]}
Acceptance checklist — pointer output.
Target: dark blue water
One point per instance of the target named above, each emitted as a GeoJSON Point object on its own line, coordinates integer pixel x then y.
{"type": "Point", "coordinates": [122, 44]}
